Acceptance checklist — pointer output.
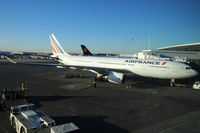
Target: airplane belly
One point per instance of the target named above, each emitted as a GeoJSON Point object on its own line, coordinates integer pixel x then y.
{"type": "Point", "coordinates": [154, 73]}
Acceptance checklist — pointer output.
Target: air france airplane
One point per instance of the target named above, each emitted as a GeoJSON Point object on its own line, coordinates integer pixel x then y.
{"type": "Point", "coordinates": [116, 68]}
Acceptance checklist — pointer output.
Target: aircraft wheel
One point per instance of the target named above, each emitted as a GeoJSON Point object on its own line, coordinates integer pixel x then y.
{"type": "Point", "coordinates": [22, 130]}
{"type": "Point", "coordinates": [13, 123]}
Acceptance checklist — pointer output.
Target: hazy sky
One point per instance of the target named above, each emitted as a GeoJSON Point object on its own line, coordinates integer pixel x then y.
{"type": "Point", "coordinates": [102, 25]}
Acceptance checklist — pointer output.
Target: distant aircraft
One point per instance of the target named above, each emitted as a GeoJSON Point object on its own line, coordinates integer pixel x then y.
{"type": "Point", "coordinates": [116, 68]}
{"type": "Point", "coordinates": [86, 52]}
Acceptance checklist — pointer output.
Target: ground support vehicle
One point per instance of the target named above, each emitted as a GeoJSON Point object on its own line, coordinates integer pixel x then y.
{"type": "Point", "coordinates": [65, 128]}
{"type": "Point", "coordinates": [26, 119]}
{"type": "Point", "coordinates": [196, 85]}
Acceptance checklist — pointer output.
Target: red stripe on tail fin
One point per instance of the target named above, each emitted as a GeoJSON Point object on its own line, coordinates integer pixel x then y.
{"type": "Point", "coordinates": [54, 51]}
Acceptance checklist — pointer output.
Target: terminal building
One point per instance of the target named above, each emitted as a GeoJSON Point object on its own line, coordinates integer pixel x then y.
{"type": "Point", "coordinates": [182, 53]}
{"type": "Point", "coordinates": [191, 52]}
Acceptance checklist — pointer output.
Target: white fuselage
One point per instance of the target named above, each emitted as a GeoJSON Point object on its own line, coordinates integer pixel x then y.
{"type": "Point", "coordinates": [146, 68]}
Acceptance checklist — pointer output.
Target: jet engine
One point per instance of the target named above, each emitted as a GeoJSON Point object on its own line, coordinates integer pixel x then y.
{"type": "Point", "coordinates": [116, 77]}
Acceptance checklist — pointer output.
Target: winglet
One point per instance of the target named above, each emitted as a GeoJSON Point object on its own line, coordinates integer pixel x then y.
{"type": "Point", "coordinates": [12, 61]}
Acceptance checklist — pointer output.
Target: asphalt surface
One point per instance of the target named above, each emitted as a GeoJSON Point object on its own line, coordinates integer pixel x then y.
{"type": "Point", "coordinates": [149, 106]}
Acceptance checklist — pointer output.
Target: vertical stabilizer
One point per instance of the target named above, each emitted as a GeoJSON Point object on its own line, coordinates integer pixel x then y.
{"type": "Point", "coordinates": [86, 51]}
{"type": "Point", "coordinates": [56, 47]}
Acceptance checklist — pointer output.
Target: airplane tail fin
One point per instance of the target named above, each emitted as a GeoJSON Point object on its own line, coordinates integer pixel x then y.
{"type": "Point", "coordinates": [86, 51]}
{"type": "Point", "coordinates": [56, 47]}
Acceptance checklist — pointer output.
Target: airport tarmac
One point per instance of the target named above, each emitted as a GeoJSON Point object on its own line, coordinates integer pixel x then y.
{"type": "Point", "coordinates": [149, 106]}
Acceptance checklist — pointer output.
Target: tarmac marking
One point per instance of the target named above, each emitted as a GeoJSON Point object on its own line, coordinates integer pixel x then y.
{"type": "Point", "coordinates": [170, 128]}
{"type": "Point", "coordinates": [170, 124]}
{"type": "Point", "coordinates": [185, 119]}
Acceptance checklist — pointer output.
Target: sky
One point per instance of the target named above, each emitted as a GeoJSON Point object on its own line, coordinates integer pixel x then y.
{"type": "Point", "coordinates": [104, 26]}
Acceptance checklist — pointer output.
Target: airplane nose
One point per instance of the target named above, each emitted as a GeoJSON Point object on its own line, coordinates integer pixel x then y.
{"type": "Point", "coordinates": [195, 72]}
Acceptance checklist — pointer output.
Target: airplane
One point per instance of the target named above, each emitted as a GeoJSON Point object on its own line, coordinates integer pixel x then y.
{"type": "Point", "coordinates": [116, 68]}
{"type": "Point", "coordinates": [86, 52]}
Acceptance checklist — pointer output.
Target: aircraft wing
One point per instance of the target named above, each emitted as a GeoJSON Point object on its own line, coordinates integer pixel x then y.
{"type": "Point", "coordinates": [32, 63]}
{"type": "Point", "coordinates": [97, 69]}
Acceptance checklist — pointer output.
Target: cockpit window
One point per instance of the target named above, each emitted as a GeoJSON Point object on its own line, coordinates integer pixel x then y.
{"type": "Point", "coordinates": [188, 68]}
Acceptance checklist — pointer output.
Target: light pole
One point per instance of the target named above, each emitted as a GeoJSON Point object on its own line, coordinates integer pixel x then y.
{"type": "Point", "coordinates": [149, 38]}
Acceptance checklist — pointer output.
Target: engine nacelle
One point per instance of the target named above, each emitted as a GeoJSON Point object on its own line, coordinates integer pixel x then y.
{"type": "Point", "coordinates": [116, 77]}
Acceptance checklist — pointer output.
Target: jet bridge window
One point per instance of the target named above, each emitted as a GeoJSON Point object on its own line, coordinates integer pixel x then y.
{"type": "Point", "coordinates": [188, 68]}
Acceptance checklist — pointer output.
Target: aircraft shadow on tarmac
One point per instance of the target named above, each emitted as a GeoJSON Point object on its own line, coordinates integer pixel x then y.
{"type": "Point", "coordinates": [36, 99]}
{"type": "Point", "coordinates": [91, 124]}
